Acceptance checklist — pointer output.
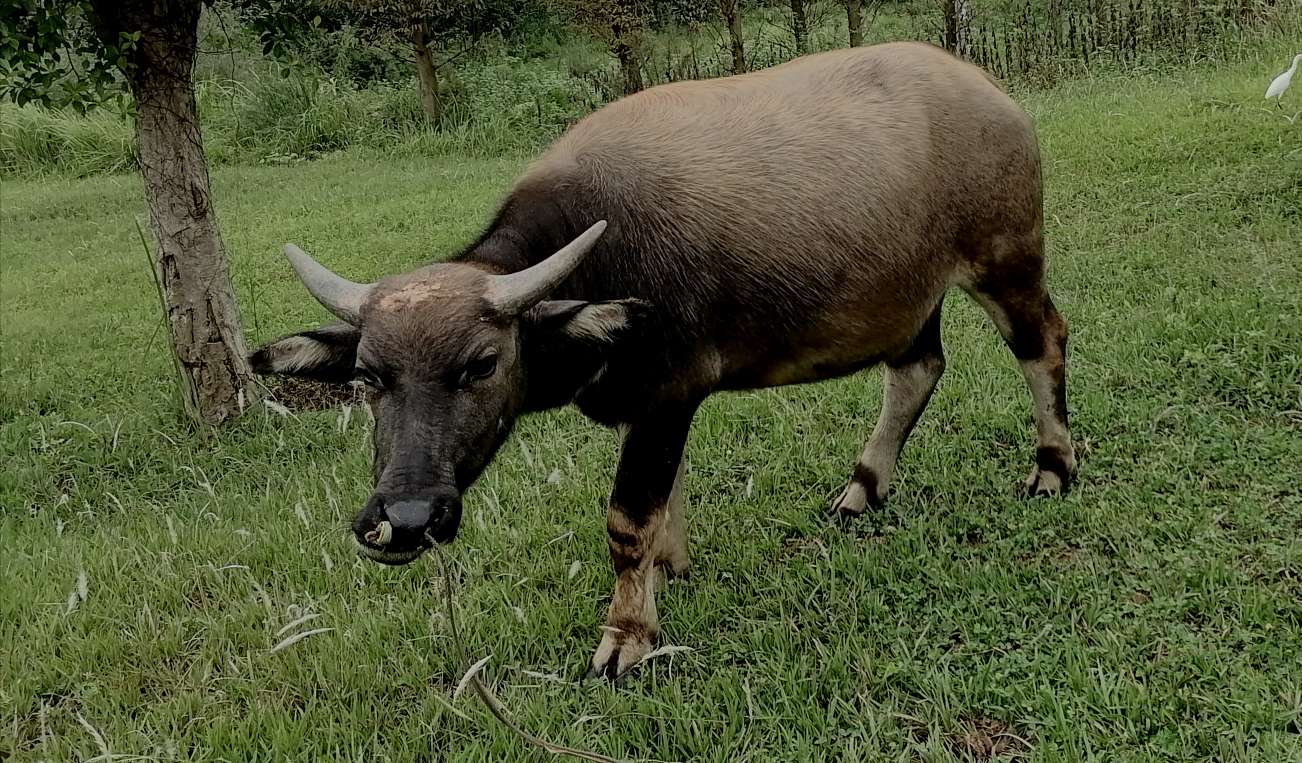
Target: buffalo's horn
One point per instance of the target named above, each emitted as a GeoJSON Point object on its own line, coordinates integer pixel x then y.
{"type": "Point", "coordinates": [514, 293]}
{"type": "Point", "coordinates": [337, 294]}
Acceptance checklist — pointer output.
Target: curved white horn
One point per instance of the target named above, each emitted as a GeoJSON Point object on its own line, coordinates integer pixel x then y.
{"type": "Point", "coordinates": [336, 293]}
{"type": "Point", "coordinates": [514, 293]}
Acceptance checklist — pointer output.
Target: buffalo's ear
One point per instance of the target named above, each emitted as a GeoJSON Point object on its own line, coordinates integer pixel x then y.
{"type": "Point", "coordinates": [566, 344]}
{"type": "Point", "coordinates": [587, 323]}
{"type": "Point", "coordinates": [327, 354]}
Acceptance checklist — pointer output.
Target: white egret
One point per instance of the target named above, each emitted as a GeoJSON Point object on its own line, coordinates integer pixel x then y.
{"type": "Point", "coordinates": [1281, 83]}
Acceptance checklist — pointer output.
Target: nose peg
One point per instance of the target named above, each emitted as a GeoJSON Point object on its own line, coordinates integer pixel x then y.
{"type": "Point", "coordinates": [381, 535]}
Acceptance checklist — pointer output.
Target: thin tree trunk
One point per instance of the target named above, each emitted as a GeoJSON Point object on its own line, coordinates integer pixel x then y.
{"type": "Point", "coordinates": [854, 19]}
{"type": "Point", "coordinates": [732, 18]}
{"type": "Point", "coordinates": [963, 29]}
{"type": "Point", "coordinates": [190, 260]}
{"type": "Point", "coordinates": [949, 18]}
{"type": "Point", "coordinates": [624, 44]}
{"type": "Point", "coordinates": [430, 101]}
{"type": "Point", "coordinates": [958, 22]}
{"type": "Point", "coordinates": [800, 26]}
{"type": "Point", "coordinates": [630, 70]}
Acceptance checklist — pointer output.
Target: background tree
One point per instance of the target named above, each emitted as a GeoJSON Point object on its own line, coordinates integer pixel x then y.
{"type": "Point", "coordinates": [854, 20]}
{"type": "Point", "coordinates": [731, 10]}
{"type": "Point", "coordinates": [957, 16]}
{"type": "Point", "coordinates": [425, 26]}
{"type": "Point", "coordinates": [800, 26]}
{"type": "Point", "coordinates": [621, 24]}
{"type": "Point", "coordinates": [76, 51]}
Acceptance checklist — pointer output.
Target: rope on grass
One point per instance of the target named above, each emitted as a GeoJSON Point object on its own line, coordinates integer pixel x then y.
{"type": "Point", "coordinates": [490, 700]}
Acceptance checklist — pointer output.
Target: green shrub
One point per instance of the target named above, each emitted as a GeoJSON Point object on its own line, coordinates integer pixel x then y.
{"type": "Point", "coordinates": [533, 101]}
{"type": "Point", "coordinates": [34, 140]}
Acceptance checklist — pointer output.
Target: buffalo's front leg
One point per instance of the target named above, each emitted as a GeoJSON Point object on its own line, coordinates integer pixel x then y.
{"type": "Point", "coordinates": [643, 534]}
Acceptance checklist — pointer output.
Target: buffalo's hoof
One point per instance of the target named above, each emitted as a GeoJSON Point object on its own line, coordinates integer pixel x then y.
{"type": "Point", "coordinates": [853, 502]}
{"type": "Point", "coordinates": [1046, 483]}
{"type": "Point", "coordinates": [1053, 472]}
{"type": "Point", "coordinates": [617, 654]}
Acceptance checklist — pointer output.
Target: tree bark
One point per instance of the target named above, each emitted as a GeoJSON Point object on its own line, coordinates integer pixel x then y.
{"type": "Point", "coordinates": [190, 259]}
{"type": "Point", "coordinates": [854, 19]}
{"type": "Point", "coordinates": [963, 29]}
{"type": "Point", "coordinates": [732, 19]}
{"type": "Point", "coordinates": [430, 101]}
{"type": "Point", "coordinates": [800, 26]}
{"type": "Point", "coordinates": [624, 44]}
{"type": "Point", "coordinates": [958, 21]}
{"type": "Point", "coordinates": [629, 67]}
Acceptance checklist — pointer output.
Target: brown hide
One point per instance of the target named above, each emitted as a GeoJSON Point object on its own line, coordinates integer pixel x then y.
{"type": "Point", "coordinates": [794, 223]}
{"type": "Point", "coordinates": [783, 226]}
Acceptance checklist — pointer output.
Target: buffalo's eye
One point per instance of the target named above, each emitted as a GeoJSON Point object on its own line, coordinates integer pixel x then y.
{"type": "Point", "coordinates": [480, 368]}
{"type": "Point", "coordinates": [367, 377]}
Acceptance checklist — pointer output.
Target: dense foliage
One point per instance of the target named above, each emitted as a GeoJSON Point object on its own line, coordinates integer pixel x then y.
{"type": "Point", "coordinates": [282, 81]}
{"type": "Point", "coordinates": [52, 54]}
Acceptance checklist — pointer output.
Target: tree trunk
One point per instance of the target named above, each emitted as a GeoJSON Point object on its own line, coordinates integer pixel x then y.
{"type": "Point", "coordinates": [624, 44]}
{"type": "Point", "coordinates": [949, 18]}
{"type": "Point", "coordinates": [800, 26]}
{"type": "Point", "coordinates": [958, 21]}
{"type": "Point", "coordinates": [963, 28]}
{"type": "Point", "coordinates": [430, 101]}
{"type": "Point", "coordinates": [732, 18]}
{"type": "Point", "coordinates": [854, 19]}
{"type": "Point", "coordinates": [630, 69]}
{"type": "Point", "coordinates": [190, 260]}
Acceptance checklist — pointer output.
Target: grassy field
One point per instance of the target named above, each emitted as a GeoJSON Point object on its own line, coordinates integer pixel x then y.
{"type": "Point", "coordinates": [1154, 614]}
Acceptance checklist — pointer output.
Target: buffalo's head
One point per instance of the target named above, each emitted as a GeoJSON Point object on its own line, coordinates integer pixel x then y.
{"type": "Point", "coordinates": [446, 351]}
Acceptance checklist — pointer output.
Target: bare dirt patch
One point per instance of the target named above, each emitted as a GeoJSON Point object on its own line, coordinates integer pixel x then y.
{"type": "Point", "coordinates": [301, 395]}
{"type": "Point", "coordinates": [983, 739]}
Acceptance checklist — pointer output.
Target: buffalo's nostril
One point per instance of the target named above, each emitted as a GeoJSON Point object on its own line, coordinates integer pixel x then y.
{"type": "Point", "coordinates": [409, 517]}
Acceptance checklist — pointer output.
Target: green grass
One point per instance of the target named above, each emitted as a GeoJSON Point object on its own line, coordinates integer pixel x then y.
{"type": "Point", "coordinates": [1154, 614]}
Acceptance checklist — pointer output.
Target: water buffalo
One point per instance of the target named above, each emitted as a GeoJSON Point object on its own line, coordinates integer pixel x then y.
{"type": "Point", "coordinates": [779, 227]}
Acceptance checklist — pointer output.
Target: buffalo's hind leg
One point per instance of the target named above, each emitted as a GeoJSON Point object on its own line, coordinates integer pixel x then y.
{"type": "Point", "coordinates": [673, 554]}
{"type": "Point", "coordinates": [909, 381]}
{"type": "Point", "coordinates": [1013, 292]}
